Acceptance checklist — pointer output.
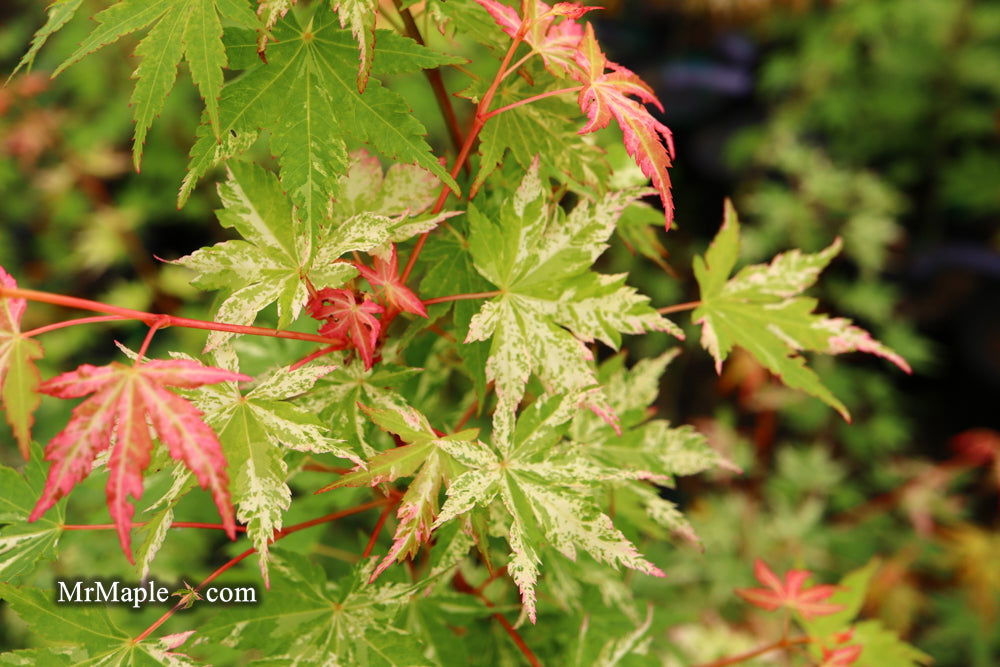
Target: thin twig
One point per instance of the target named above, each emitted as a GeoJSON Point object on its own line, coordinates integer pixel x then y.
{"type": "Point", "coordinates": [690, 305]}
{"type": "Point", "coordinates": [434, 79]}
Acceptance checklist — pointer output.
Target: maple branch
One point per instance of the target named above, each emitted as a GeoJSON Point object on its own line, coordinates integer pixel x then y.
{"type": "Point", "coordinates": [151, 318]}
{"type": "Point", "coordinates": [477, 124]}
{"type": "Point", "coordinates": [434, 79]}
{"type": "Point", "coordinates": [462, 586]}
{"type": "Point", "coordinates": [783, 643]}
{"type": "Point", "coordinates": [677, 308]}
{"type": "Point", "coordinates": [533, 98]}
{"type": "Point", "coordinates": [73, 323]}
{"type": "Point", "coordinates": [278, 534]}
{"type": "Point", "coordinates": [378, 529]}
{"type": "Point", "coordinates": [461, 297]}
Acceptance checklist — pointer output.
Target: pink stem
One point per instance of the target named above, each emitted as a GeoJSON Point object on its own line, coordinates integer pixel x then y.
{"type": "Point", "coordinates": [150, 318]}
{"type": "Point", "coordinates": [460, 297]}
{"type": "Point", "coordinates": [529, 100]}
{"type": "Point", "coordinates": [73, 323]}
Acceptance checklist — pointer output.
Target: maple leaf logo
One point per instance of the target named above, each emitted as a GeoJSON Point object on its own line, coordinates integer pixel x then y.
{"type": "Point", "coordinates": [124, 401]}
{"type": "Point", "coordinates": [789, 593]}
{"type": "Point", "coordinates": [605, 95]}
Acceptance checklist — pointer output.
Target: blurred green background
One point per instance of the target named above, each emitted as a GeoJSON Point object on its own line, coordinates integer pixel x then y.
{"type": "Point", "coordinates": [874, 120]}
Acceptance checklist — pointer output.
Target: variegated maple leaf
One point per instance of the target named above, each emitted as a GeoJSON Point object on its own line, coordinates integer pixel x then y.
{"type": "Point", "coordinates": [761, 310]}
{"type": "Point", "coordinates": [425, 457]}
{"type": "Point", "coordinates": [256, 429]}
{"type": "Point", "coordinates": [606, 95]}
{"type": "Point", "coordinates": [278, 250]}
{"type": "Point", "coordinates": [19, 378]}
{"type": "Point", "coordinates": [124, 401]}
{"type": "Point", "coordinates": [550, 303]}
{"type": "Point", "coordinates": [555, 41]}
{"type": "Point", "coordinates": [548, 497]}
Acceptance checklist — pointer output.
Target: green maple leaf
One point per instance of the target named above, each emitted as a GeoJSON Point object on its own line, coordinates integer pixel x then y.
{"type": "Point", "coordinates": [551, 303]}
{"type": "Point", "coordinates": [59, 14]}
{"type": "Point", "coordinates": [545, 494]}
{"type": "Point", "coordinates": [761, 310]}
{"type": "Point", "coordinates": [424, 458]}
{"type": "Point", "coordinates": [278, 251]}
{"type": "Point", "coordinates": [305, 618]}
{"type": "Point", "coordinates": [22, 544]}
{"type": "Point", "coordinates": [188, 29]}
{"type": "Point", "coordinates": [306, 97]}
{"type": "Point", "coordinates": [91, 634]}
{"type": "Point", "coordinates": [254, 429]}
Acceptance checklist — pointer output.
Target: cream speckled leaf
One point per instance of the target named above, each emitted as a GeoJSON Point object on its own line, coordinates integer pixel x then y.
{"type": "Point", "coordinates": [546, 496]}
{"type": "Point", "coordinates": [551, 303]}
{"type": "Point", "coordinates": [760, 310]}
{"type": "Point", "coordinates": [268, 266]}
{"type": "Point", "coordinates": [253, 429]}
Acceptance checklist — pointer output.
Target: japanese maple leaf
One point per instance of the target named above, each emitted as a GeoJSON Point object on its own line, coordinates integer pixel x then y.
{"type": "Point", "coordinates": [386, 274]}
{"type": "Point", "coordinates": [124, 401]}
{"type": "Point", "coordinates": [789, 593]}
{"type": "Point", "coordinates": [555, 42]}
{"type": "Point", "coordinates": [606, 95]}
{"type": "Point", "coordinates": [19, 377]}
{"type": "Point", "coordinates": [348, 319]}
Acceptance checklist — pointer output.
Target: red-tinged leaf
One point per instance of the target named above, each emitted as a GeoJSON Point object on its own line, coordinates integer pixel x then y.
{"type": "Point", "coordinates": [385, 274]}
{"type": "Point", "coordinates": [606, 95]}
{"type": "Point", "coordinates": [789, 593]}
{"type": "Point", "coordinates": [125, 400]}
{"type": "Point", "coordinates": [348, 319]}
{"type": "Point", "coordinates": [842, 656]}
{"type": "Point", "coordinates": [555, 42]}
{"type": "Point", "coordinates": [19, 378]}
{"type": "Point", "coordinates": [128, 461]}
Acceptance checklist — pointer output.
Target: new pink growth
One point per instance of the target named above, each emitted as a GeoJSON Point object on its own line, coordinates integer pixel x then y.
{"type": "Point", "coordinates": [605, 95]}
{"type": "Point", "coordinates": [385, 274]}
{"type": "Point", "coordinates": [789, 593]}
{"type": "Point", "coordinates": [348, 319]}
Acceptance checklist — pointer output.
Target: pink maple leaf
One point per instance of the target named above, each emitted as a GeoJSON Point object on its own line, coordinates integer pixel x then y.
{"type": "Point", "coordinates": [124, 401]}
{"type": "Point", "coordinates": [348, 319]}
{"type": "Point", "coordinates": [555, 42]}
{"type": "Point", "coordinates": [606, 95]}
{"type": "Point", "coordinates": [385, 274]}
{"type": "Point", "coordinates": [789, 593]}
